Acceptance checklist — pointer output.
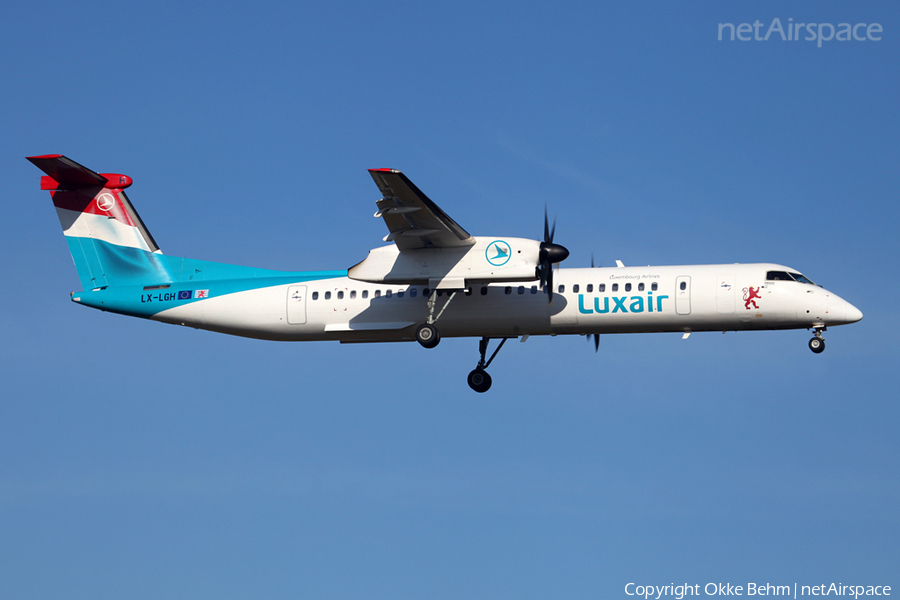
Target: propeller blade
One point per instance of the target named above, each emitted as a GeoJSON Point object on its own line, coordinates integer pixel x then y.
{"type": "Point", "coordinates": [550, 285]}
{"type": "Point", "coordinates": [546, 226]}
{"type": "Point", "coordinates": [596, 342]}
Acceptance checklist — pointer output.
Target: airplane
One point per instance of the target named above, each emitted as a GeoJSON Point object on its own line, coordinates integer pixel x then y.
{"type": "Point", "coordinates": [432, 280]}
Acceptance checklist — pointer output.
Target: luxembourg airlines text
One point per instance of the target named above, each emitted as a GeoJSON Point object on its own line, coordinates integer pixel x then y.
{"type": "Point", "coordinates": [790, 31]}
{"type": "Point", "coordinates": [755, 589]}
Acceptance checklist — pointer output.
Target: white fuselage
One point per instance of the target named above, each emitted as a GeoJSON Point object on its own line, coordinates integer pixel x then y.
{"type": "Point", "coordinates": [585, 301]}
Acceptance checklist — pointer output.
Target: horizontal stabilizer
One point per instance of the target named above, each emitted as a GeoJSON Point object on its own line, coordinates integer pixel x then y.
{"type": "Point", "coordinates": [65, 173]}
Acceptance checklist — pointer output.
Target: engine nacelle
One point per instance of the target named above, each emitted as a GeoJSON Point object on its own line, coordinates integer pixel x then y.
{"type": "Point", "coordinates": [490, 259]}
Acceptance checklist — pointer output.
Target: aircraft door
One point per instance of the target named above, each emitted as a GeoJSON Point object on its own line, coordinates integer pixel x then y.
{"type": "Point", "coordinates": [725, 293]}
{"type": "Point", "coordinates": [296, 304]}
{"type": "Point", "coordinates": [683, 295]}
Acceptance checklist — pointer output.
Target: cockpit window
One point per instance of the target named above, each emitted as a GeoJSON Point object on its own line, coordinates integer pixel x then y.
{"type": "Point", "coordinates": [801, 278]}
{"type": "Point", "coordinates": [784, 276]}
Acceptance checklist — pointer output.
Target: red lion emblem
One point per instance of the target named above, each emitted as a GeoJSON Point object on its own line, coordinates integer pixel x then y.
{"type": "Point", "coordinates": [749, 295]}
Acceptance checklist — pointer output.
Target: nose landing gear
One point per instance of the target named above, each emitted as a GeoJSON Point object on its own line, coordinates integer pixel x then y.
{"type": "Point", "coordinates": [817, 344]}
{"type": "Point", "coordinates": [478, 379]}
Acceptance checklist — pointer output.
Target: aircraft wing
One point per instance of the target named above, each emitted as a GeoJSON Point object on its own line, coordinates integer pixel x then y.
{"type": "Point", "coordinates": [412, 219]}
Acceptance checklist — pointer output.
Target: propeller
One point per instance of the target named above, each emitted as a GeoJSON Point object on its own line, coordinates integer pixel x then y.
{"type": "Point", "coordinates": [550, 253]}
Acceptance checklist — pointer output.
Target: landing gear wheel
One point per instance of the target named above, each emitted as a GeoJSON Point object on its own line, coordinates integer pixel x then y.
{"type": "Point", "coordinates": [817, 345]}
{"type": "Point", "coordinates": [479, 380]}
{"type": "Point", "coordinates": [428, 335]}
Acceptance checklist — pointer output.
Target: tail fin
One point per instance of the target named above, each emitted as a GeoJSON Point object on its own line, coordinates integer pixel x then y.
{"type": "Point", "coordinates": [108, 241]}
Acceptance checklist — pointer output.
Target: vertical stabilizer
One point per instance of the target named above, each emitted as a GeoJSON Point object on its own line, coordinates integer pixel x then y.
{"type": "Point", "coordinates": [108, 241]}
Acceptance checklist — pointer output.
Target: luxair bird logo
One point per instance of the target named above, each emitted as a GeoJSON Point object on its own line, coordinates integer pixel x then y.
{"type": "Point", "coordinates": [105, 202]}
{"type": "Point", "coordinates": [749, 295]}
{"type": "Point", "coordinates": [497, 253]}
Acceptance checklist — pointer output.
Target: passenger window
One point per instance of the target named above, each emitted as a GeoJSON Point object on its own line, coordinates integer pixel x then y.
{"type": "Point", "coordinates": [400, 293]}
{"type": "Point", "coordinates": [601, 287]}
{"type": "Point", "coordinates": [508, 290]}
{"type": "Point", "coordinates": [521, 289]}
{"type": "Point", "coordinates": [426, 292]}
{"type": "Point", "coordinates": [683, 285]}
{"type": "Point", "coordinates": [484, 289]}
{"type": "Point", "coordinates": [341, 295]}
{"type": "Point", "coordinates": [562, 289]}
{"type": "Point", "coordinates": [328, 295]}
{"type": "Point", "coordinates": [534, 289]}
{"type": "Point", "coordinates": [413, 292]}
{"type": "Point", "coordinates": [377, 293]}
{"type": "Point", "coordinates": [388, 294]}
{"type": "Point", "coordinates": [627, 287]}
{"type": "Point", "coordinates": [468, 291]}
{"type": "Point", "coordinates": [575, 288]}
{"type": "Point", "coordinates": [315, 295]}
{"type": "Point", "coordinates": [590, 288]}
{"type": "Point", "coordinates": [640, 287]}
{"type": "Point", "coordinates": [352, 294]}
{"type": "Point", "coordinates": [615, 287]}
{"type": "Point", "coordinates": [365, 294]}
{"type": "Point", "coordinates": [653, 286]}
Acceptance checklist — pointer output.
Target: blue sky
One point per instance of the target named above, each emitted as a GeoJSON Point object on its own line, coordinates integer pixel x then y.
{"type": "Point", "coordinates": [140, 460]}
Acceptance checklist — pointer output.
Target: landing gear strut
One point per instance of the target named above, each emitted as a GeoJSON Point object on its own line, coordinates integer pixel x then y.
{"type": "Point", "coordinates": [427, 334]}
{"type": "Point", "coordinates": [478, 379]}
{"type": "Point", "coordinates": [817, 344]}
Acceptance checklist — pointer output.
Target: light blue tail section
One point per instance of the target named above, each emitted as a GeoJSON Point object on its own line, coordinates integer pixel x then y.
{"type": "Point", "coordinates": [101, 264]}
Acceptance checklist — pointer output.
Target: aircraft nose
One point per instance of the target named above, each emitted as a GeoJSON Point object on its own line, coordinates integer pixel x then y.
{"type": "Point", "coordinates": [852, 314]}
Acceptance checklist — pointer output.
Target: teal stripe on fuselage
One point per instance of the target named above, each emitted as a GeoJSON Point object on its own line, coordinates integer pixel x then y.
{"type": "Point", "coordinates": [142, 283]}
{"type": "Point", "coordinates": [102, 264]}
{"type": "Point", "coordinates": [139, 301]}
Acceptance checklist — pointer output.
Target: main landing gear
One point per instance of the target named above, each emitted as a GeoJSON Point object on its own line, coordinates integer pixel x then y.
{"type": "Point", "coordinates": [817, 344]}
{"type": "Point", "coordinates": [427, 334]}
{"type": "Point", "coordinates": [429, 337]}
{"type": "Point", "coordinates": [478, 379]}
